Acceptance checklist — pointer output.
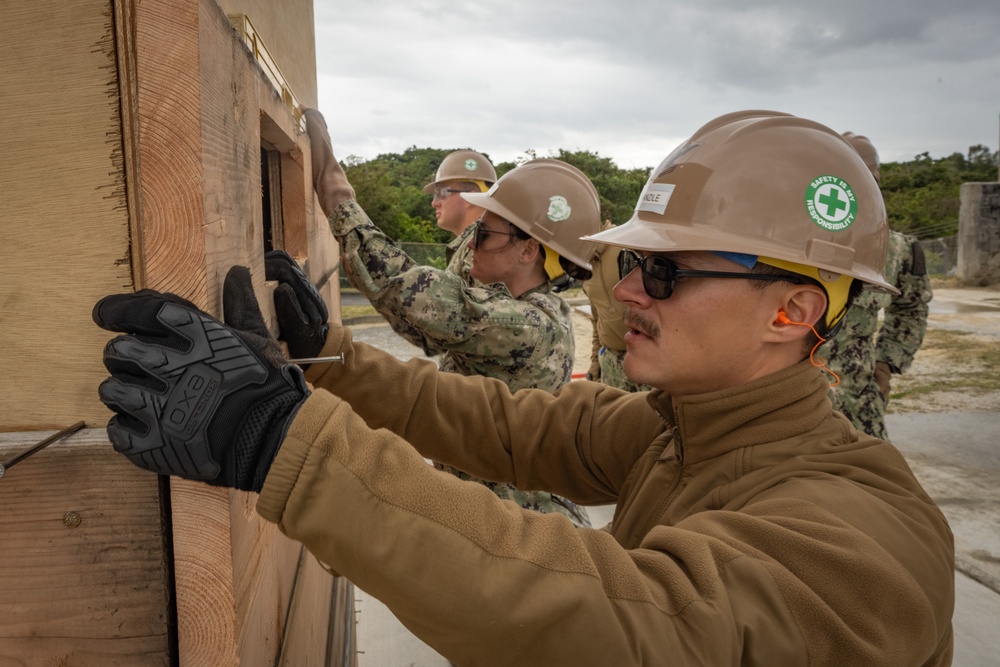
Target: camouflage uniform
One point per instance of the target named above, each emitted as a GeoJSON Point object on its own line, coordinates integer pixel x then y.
{"type": "Point", "coordinates": [525, 342]}
{"type": "Point", "coordinates": [853, 352]}
{"type": "Point", "coordinates": [609, 327]}
{"type": "Point", "coordinates": [459, 255]}
{"type": "Point", "coordinates": [613, 370]}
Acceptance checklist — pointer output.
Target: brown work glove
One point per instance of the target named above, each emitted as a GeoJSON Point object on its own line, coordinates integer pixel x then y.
{"type": "Point", "coordinates": [329, 180]}
{"type": "Point", "coordinates": [883, 376]}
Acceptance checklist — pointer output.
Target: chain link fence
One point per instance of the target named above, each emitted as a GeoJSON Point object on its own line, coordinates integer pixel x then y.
{"type": "Point", "coordinates": [941, 255]}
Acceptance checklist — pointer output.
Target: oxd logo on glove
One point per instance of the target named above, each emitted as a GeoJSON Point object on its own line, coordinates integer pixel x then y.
{"type": "Point", "coordinates": [189, 403]}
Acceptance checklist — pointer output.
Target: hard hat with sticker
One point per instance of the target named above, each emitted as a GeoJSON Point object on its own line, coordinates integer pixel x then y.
{"type": "Point", "coordinates": [464, 165]}
{"type": "Point", "coordinates": [550, 200]}
{"type": "Point", "coordinates": [767, 184]}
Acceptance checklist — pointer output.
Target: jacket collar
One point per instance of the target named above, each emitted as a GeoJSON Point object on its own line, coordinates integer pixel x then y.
{"type": "Point", "coordinates": [769, 409]}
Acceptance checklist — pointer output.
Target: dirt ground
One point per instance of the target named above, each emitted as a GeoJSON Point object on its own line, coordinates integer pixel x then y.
{"type": "Point", "coordinates": [957, 367]}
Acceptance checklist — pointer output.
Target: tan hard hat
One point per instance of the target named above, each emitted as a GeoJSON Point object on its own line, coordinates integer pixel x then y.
{"type": "Point", "coordinates": [551, 200]}
{"type": "Point", "coordinates": [464, 166]}
{"type": "Point", "coordinates": [768, 184]}
{"type": "Point", "coordinates": [867, 151]}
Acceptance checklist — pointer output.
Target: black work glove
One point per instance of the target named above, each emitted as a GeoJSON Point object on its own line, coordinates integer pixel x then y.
{"type": "Point", "coordinates": [302, 313]}
{"type": "Point", "coordinates": [193, 397]}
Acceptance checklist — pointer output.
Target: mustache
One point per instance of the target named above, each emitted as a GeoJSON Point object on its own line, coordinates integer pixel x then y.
{"type": "Point", "coordinates": [636, 320]}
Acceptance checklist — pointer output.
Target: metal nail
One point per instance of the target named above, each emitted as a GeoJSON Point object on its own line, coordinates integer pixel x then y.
{"type": "Point", "coordinates": [59, 435]}
{"type": "Point", "coordinates": [318, 360]}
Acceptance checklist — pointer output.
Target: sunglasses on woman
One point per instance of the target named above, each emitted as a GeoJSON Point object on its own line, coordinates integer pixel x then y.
{"type": "Point", "coordinates": [480, 233]}
{"type": "Point", "coordinates": [659, 274]}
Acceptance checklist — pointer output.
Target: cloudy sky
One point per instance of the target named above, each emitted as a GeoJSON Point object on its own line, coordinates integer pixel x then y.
{"type": "Point", "coordinates": [630, 79]}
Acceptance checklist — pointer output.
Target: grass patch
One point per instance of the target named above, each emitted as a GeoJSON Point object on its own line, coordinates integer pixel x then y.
{"type": "Point", "coordinates": [962, 362]}
{"type": "Point", "coordinates": [965, 383]}
{"type": "Point", "coordinates": [963, 347]}
{"type": "Point", "coordinates": [350, 312]}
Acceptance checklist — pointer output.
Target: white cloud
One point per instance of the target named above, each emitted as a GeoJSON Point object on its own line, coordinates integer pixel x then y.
{"type": "Point", "coordinates": [632, 78]}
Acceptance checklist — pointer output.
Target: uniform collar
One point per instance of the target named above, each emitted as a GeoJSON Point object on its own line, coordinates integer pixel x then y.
{"type": "Point", "coordinates": [772, 408]}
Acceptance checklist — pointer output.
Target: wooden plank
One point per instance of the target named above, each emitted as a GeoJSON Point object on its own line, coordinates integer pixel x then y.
{"type": "Point", "coordinates": [65, 228]}
{"type": "Point", "coordinates": [128, 90]}
{"type": "Point", "coordinates": [169, 97]}
{"type": "Point", "coordinates": [264, 563]}
{"type": "Point", "coordinates": [342, 645]}
{"type": "Point", "coordinates": [173, 200]}
{"type": "Point", "coordinates": [84, 579]}
{"type": "Point", "coordinates": [206, 614]}
{"type": "Point", "coordinates": [308, 632]}
{"type": "Point", "coordinates": [262, 560]}
{"type": "Point", "coordinates": [230, 153]}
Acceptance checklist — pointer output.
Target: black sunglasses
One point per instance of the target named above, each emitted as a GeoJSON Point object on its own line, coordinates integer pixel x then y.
{"type": "Point", "coordinates": [659, 274]}
{"type": "Point", "coordinates": [480, 234]}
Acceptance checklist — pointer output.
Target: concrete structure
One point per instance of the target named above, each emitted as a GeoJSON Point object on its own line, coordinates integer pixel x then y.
{"type": "Point", "coordinates": [979, 232]}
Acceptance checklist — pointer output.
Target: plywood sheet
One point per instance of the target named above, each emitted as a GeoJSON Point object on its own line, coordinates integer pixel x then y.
{"type": "Point", "coordinates": [84, 577]}
{"type": "Point", "coordinates": [65, 227]}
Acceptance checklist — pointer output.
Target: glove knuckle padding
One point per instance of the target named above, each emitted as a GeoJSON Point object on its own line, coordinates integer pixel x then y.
{"type": "Point", "coordinates": [216, 365]}
{"type": "Point", "coordinates": [127, 348]}
{"type": "Point", "coordinates": [220, 408]}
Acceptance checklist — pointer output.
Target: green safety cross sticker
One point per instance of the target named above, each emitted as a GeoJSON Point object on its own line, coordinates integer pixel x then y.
{"type": "Point", "coordinates": [559, 209]}
{"type": "Point", "coordinates": [831, 203]}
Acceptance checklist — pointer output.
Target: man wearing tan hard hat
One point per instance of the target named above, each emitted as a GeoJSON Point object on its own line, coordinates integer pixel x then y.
{"type": "Point", "coordinates": [754, 525]}
{"type": "Point", "coordinates": [463, 171]}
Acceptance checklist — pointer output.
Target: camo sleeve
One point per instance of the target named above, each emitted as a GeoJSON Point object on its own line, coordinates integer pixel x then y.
{"type": "Point", "coordinates": [482, 330]}
{"type": "Point", "coordinates": [905, 318]}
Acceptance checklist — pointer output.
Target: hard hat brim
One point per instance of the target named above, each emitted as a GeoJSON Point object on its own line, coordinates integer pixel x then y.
{"type": "Point", "coordinates": [485, 201]}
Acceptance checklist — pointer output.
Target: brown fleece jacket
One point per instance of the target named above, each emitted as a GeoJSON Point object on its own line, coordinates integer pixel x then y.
{"type": "Point", "coordinates": [755, 527]}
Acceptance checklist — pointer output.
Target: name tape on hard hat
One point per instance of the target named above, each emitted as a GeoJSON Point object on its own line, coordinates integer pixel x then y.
{"type": "Point", "coordinates": [654, 197]}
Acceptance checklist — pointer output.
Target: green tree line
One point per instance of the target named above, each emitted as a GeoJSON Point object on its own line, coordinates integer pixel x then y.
{"type": "Point", "coordinates": [921, 196]}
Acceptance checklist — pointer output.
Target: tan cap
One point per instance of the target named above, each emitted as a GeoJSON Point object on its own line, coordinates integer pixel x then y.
{"type": "Point", "coordinates": [768, 184]}
{"type": "Point", "coordinates": [551, 200]}
{"type": "Point", "coordinates": [463, 166]}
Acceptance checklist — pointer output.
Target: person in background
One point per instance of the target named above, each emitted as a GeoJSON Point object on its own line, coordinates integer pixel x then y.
{"type": "Point", "coordinates": [505, 324]}
{"type": "Point", "coordinates": [865, 355]}
{"type": "Point", "coordinates": [754, 525]}
{"type": "Point", "coordinates": [460, 171]}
